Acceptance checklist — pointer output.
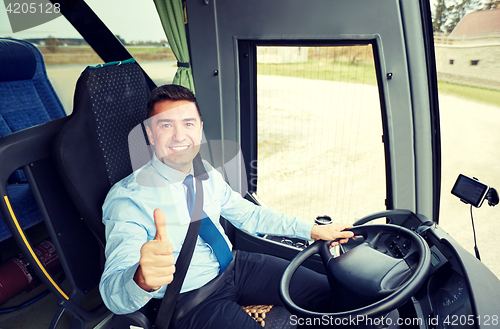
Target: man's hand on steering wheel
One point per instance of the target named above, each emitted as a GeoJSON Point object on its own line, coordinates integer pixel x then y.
{"type": "Point", "coordinates": [369, 282]}
{"type": "Point", "coordinates": [331, 232]}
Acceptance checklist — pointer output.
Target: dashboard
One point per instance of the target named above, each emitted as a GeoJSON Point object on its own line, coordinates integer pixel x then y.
{"type": "Point", "coordinates": [460, 292]}
{"type": "Point", "coordinates": [450, 300]}
{"type": "Point", "coordinates": [444, 301]}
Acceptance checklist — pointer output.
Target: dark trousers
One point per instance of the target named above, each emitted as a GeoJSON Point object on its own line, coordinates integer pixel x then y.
{"type": "Point", "coordinates": [255, 280]}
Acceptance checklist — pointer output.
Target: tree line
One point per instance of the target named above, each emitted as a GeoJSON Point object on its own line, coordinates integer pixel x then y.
{"type": "Point", "coordinates": [448, 13]}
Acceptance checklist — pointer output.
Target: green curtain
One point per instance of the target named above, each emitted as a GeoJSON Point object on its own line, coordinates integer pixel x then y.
{"type": "Point", "coordinates": [171, 14]}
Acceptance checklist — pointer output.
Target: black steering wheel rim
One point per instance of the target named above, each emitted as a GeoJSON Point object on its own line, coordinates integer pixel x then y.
{"type": "Point", "coordinates": [383, 306]}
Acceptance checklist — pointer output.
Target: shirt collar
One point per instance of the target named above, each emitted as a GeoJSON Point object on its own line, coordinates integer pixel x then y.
{"type": "Point", "coordinates": [172, 175]}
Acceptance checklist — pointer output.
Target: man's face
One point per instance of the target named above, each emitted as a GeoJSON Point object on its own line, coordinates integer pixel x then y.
{"type": "Point", "coordinates": [176, 132]}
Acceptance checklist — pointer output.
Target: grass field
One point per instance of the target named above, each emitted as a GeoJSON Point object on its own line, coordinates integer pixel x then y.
{"type": "Point", "coordinates": [87, 56]}
{"type": "Point", "coordinates": [482, 95]}
{"type": "Point", "coordinates": [344, 71]}
{"type": "Point", "coordinates": [365, 73]}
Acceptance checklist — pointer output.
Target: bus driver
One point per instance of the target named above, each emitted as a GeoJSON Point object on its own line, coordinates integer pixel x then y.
{"type": "Point", "coordinates": [146, 216]}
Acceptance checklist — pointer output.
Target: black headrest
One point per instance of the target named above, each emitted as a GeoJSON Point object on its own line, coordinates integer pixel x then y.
{"type": "Point", "coordinates": [91, 150]}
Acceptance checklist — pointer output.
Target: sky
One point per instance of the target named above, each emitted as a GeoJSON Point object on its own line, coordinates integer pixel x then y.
{"type": "Point", "coordinates": [116, 14]}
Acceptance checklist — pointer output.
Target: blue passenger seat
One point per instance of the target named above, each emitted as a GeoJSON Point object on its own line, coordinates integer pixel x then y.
{"type": "Point", "coordinates": [26, 99]}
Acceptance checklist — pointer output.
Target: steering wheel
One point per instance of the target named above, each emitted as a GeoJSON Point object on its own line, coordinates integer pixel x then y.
{"type": "Point", "coordinates": [364, 280]}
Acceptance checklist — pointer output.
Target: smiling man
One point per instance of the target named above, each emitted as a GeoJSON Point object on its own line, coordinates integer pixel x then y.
{"type": "Point", "coordinates": [176, 131]}
{"type": "Point", "coordinates": [146, 225]}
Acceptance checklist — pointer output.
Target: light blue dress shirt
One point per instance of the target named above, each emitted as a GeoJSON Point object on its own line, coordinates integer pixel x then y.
{"type": "Point", "coordinates": [128, 217]}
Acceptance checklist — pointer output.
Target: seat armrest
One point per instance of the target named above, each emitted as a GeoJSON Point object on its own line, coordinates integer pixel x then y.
{"type": "Point", "coordinates": [26, 146]}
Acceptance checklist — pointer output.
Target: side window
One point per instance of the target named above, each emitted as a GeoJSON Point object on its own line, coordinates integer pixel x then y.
{"type": "Point", "coordinates": [319, 141]}
{"type": "Point", "coordinates": [139, 29]}
{"type": "Point", "coordinates": [469, 104]}
{"type": "Point", "coordinates": [66, 53]}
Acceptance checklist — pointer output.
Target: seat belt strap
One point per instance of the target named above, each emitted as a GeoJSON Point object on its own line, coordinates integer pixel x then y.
{"type": "Point", "coordinates": [167, 306]}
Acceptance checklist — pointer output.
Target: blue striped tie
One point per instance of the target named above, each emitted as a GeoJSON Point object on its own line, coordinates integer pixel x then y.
{"type": "Point", "coordinates": [208, 231]}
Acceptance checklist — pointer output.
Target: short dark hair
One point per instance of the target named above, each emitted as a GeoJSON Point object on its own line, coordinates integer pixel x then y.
{"type": "Point", "coordinates": [170, 93]}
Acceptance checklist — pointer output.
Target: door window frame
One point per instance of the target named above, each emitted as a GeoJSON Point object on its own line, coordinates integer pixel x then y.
{"type": "Point", "coordinates": [247, 62]}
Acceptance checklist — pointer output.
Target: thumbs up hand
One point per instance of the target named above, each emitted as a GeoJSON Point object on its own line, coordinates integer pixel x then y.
{"type": "Point", "coordinates": [156, 265]}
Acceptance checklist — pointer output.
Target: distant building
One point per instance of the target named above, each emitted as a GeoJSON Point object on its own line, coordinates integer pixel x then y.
{"type": "Point", "coordinates": [478, 24]}
{"type": "Point", "coordinates": [471, 53]}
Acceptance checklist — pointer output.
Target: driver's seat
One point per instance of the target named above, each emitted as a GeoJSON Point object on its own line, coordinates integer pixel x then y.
{"type": "Point", "coordinates": [92, 150]}
{"type": "Point", "coordinates": [102, 142]}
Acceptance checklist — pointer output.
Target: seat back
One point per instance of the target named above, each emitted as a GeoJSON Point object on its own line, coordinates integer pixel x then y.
{"type": "Point", "coordinates": [27, 99]}
{"type": "Point", "coordinates": [103, 142]}
{"type": "Point", "coordinates": [92, 148]}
